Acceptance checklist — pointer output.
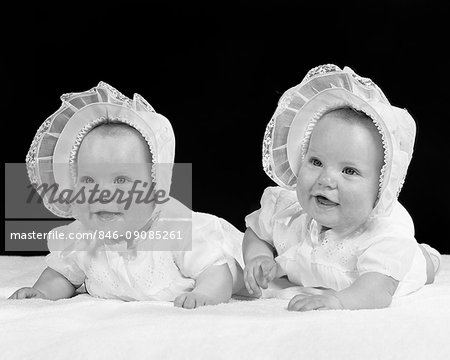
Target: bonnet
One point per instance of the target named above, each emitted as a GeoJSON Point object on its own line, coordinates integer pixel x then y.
{"type": "Point", "coordinates": [323, 89]}
{"type": "Point", "coordinates": [54, 149]}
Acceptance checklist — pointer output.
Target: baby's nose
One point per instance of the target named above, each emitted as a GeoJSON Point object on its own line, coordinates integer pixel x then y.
{"type": "Point", "coordinates": [327, 179]}
{"type": "Point", "coordinates": [105, 194]}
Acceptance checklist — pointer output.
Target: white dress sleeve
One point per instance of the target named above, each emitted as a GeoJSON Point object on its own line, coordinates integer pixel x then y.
{"type": "Point", "coordinates": [391, 256]}
{"type": "Point", "coordinates": [261, 221]}
{"type": "Point", "coordinates": [206, 248]}
{"type": "Point", "coordinates": [64, 253]}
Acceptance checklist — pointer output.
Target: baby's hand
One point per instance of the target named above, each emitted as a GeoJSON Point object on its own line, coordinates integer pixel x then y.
{"type": "Point", "coordinates": [258, 273]}
{"type": "Point", "coordinates": [27, 293]}
{"type": "Point", "coordinates": [193, 300]}
{"type": "Point", "coordinates": [324, 301]}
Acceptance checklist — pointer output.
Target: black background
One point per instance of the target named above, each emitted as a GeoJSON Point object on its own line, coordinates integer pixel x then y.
{"type": "Point", "coordinates": [217, 73]}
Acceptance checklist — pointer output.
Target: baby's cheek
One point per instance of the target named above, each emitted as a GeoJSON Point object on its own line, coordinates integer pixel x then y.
{"type": "Point", "coordinates": [139, 207]}
{"type": "Point", "coordinates": [137, 216]}
{"type": "Point", "coordinates": [356, 209]}
{"type": "Point", "coordinates": [81, 212]}
{"type": "Point", "coordinates": [307, 176]}
{"type": "Point", "coordinates": [303, 191]}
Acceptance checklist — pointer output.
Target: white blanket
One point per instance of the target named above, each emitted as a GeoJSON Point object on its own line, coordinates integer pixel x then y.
{"type": "Point", "coordinates": [413, 327]}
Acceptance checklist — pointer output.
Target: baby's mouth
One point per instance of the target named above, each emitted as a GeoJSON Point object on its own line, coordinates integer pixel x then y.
{"type": "Point", "coordinates": [107, 215]}
{"type": "Point", "coordinates": [324, 201]}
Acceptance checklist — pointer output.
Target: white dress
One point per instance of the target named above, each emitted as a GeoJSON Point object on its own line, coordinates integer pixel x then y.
{"type": "Point", "coordinates": [386, 245]}
{"type": "Point", "coordinates": [116, 270]}
{"type": "Point", "coordinates": [142, 268]}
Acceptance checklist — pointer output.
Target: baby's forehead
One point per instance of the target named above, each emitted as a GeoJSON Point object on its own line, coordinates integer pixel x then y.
{"type": "Point", "coordinates": [115, 130]}
{"type": "Point", "coordinates": [348, 118]}
{"type": "Point", "coordinates": [347, 133]}
{"type": "Point", "coordinates": [114, 137]}
{"type": "Point", "coordinates": [122, 134]}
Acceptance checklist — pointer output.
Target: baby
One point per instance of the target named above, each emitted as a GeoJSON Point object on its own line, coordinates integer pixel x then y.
{"type": "Point", "coordinates": [107, 151]}
{"type": "Point", "coordinates": [337, 142]}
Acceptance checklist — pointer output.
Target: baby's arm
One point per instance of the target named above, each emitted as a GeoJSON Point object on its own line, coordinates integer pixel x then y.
{"type": "Point", "coordinates": [213, 286]}
{"type": "Point", "coordinates": [261, 267]}
{"type": "Point", "coordinates": [370, 291]}
{"type": "Point", "coordinates": [51, 285]}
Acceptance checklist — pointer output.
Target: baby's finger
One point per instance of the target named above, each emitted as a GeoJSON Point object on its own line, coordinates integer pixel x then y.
{"type": "Point", "coordinates": [274, 271]}
{"type": "Point", "coordinates": [250, 283]}
{"type": "Point", "coordinates": [263, 274]}
{"type": "Point", "coordinates": [179, 300]}
{"type": "Point", "coordinates": [209, 301]}
{"type": "Point", "coordinates": [32, 294]}
{"type": "Point", "coordinates": [189, 303]}
{"type": "Point", "coordinates": [270, 274]}
{"type": "Point", "coordinates": [24, 293]}
{"type": "Point", "coordinates": [307, 304]}
{"type": "Point", "coordinates": [253, 281]}
{"type": "Point", "coordinates": [313, 304]}
{"type": "Point", "coordinates": [296, 300]}
{"type": "Point", "coordinates": [201, 302]}
{"type": "Point", "coordinates": [265, 267]}
{"type": "Point", "coordinates": [297, 305]}
{"type": "Point", "coordinates": [246, 283]}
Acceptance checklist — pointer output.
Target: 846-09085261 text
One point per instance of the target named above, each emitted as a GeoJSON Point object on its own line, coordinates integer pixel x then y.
{"type": "Point", "coordinates": [98, 234]}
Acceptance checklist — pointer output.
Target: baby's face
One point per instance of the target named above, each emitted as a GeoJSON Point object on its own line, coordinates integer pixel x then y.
{"type": "Point", "coordinates": [338, 180]}
{"type": "Point", "coordinates": [113, 163]}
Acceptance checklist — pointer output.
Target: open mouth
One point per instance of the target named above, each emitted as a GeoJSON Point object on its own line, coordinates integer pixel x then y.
{"type": "Point", "coordinates": [323, 201]}
{"type": "Point", "coordinates": [107, 215]}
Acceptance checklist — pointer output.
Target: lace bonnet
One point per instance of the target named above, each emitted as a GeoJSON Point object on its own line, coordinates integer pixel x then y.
{"type": "Point", "coordinates": [55, 146]}
{"type": "Point", "coordinates": [323, 89]}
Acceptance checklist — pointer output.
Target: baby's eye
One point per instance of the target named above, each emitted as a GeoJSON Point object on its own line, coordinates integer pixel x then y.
{"type": "Point", "coordinates": [87, 180]}
{"type": "Point", "coordinates": [315, 162]}
{"type": "Point", "coordinates": [349, 171]}
{"type": "Point", "coordinates": [121, 180]}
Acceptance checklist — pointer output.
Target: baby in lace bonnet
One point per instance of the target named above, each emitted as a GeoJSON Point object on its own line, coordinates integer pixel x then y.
{"type": "Point", "coordinates": [340, 153]}
{"type": "Point", "coordinates": [130, 240]}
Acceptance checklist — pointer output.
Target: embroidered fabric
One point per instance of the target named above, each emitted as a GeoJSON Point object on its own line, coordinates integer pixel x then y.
{"type": "Point", "coordinates": [314, 259]}
{"type": "Point", "coordinates": [111, 270]}
{"type": "Point", "coordinates": [55, 145]}
{"type": "Point", "coordinates": [323, 89]}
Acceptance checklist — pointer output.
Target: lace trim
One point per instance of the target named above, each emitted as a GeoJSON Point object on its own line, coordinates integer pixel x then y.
{"type": "Point", "coordinates": [68, 96]}
{"type": "Point", "coordinates": [31, 158]}
{"type": "Point", "coordinates": [284, 102]}
{"type": "Point", "coordinates": [267, 145]}
{"type": "Point", "coordinates": [31, 161]}
{"type": "Point", "coordinates": [363, 80]}
{"type": "Point", "coordinates": [320, 70]}
{"type": "Point", "coordinates": [115, 93]}
{"type": "Point", "coordinates": [400, 185]}
{"type": "Point", "coordinates": [283, 105]}
{"type": "Point", "coordinates": [144, 102]}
